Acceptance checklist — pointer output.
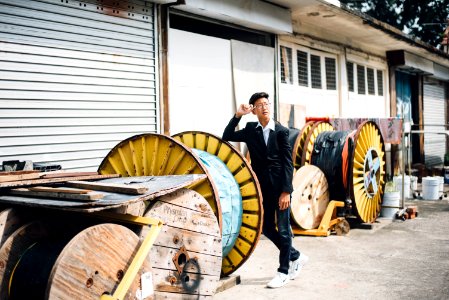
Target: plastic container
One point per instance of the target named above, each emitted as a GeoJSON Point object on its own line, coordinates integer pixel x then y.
{"type": "Point", "coordinates": [446, 174]}
{"type": "Point", "coordinates": [398, 183]}
{"type": "Point", "coordinates": [390, 204]}
{"type": "Point", "coordinates": [430, 188]}
{"type": "Point", "coordinates": [413, 183]}
{"type": "Point", "coordinates": [441, 183]}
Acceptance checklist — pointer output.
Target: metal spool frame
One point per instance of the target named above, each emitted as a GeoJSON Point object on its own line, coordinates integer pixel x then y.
{"type": "Point", "coordinates": [251, 227]}
{"type": "Point", "coordinates": [153, 154]}
{"type": "Point", "coordinates": [367, 171]}
{"type": "Point", "coordinates": [315, 129]}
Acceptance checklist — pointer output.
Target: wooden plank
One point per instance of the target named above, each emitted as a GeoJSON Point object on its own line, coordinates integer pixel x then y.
{"type": "Point", "coordinates": [56, 193]}
{"type": "Point", "coordinates": [54, 180]}
{"type": "Point", "coordinates": [60, 190]}
{"type": "Point", "coordinates": [18, 177]}
{"type": "Point", "coordinates": [59, 174]}
{"type": "Point", "coordinates": [109, 187]}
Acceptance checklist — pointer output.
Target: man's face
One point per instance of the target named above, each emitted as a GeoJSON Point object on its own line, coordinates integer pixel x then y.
{"type": "Point", "coordinates": [262, 109]}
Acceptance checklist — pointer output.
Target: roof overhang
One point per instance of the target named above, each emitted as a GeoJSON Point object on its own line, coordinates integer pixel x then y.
{"type": "Point", "coordinates": [332, 22]}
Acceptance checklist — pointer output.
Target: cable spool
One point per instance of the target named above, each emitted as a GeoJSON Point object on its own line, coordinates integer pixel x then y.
{"type": "Point", "coordinates": [315, 129]}
{"type": "Point", "coordinates": [251, 225]}
{"type": "Point", "coordinates": [298, 145]}
{"type": "Point", "coordinates": [356, 172]}
{"type": "Point", "coordinates": [187, 255]}
{"type": "Point", "coordinates": [154, 154]}
{"type": "Point", "coordinates": [10, 220]}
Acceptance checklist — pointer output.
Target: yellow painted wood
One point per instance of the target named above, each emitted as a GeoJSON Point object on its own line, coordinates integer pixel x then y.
{"type": "Point", "coordinates": [251, 220]}
{"type": "Point", "coordinates": [243, 246]}
{"type": "Point", "coordinates": [201, 141]}
{"type": "Point", "coordinates": [248, 233]}
{"type": "Point", "coordinates": [248, 190]}
{"type": "Point", "coordinates": [234, 162]}
{"type": "Point", "coordinates": [213, 145]}
{"type": "Point", "coordinates": [242, 175]}
{"type": "Point", "coordinates": [251, 204]}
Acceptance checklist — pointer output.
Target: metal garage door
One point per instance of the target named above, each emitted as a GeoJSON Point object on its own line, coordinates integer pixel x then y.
{"type": "Point", "coordinates": [75, 79]}
{"type": "Point", "coordinates": [434, 120]}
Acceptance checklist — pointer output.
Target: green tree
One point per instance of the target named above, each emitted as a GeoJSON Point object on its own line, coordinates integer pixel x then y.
{"type": "Point", "coordinates": [425, 19]}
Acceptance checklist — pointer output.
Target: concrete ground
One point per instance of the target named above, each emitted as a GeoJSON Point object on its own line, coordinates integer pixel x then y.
{"type": "Point", "coordinates": [394, 260]}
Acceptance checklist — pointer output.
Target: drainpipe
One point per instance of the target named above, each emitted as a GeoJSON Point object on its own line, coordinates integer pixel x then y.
{"type": "Point", "coordinates": [163, 29]}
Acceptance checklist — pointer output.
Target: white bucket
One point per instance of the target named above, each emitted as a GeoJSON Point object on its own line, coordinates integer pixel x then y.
{"type": "Point", "coordinates": [390, 204]}
{"type": "Point", "coordinates": [441, 183]}
{"type": "Point", "coordinates": [414, 183]}
{"type": "Point", "coordinates": [430, 188]}
{"type": "Point", "coordinates": [398, 183]}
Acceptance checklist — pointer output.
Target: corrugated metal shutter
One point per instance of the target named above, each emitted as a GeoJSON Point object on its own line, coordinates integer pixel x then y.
{"type": "Point", "coordinates": [434, 120]}
{"type": "Point", "coordinates": [76, 78]}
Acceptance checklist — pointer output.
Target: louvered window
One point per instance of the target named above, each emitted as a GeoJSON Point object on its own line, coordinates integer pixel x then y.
{"type": "Point", "coordinates": [303, 68]}
{"type": "Point", "coordinates": [370, 77]}
{"type": "Point", "coordinates": [331, 73]}
{"type": "Point", "coordinates": [315, 63]}
{"type": "Point", "coordinates": [361, 80]}
{"type": "Point", "coordinates": [350, 72]}
{"type": "Point", "coordinates": [286, 65]}
{"type": "Point", "coordinates": [380, 83]}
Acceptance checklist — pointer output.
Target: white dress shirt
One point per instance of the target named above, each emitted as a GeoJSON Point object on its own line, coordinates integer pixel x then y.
{"type": "Point", "coordinates": [266, 130]}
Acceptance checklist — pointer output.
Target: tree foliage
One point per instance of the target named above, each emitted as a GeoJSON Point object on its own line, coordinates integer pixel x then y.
{"type": "Point", "coordinates": [424, 19]}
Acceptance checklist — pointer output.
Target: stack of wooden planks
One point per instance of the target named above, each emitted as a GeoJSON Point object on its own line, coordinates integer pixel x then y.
{"type": "Point", "coordinates": [71, 185]}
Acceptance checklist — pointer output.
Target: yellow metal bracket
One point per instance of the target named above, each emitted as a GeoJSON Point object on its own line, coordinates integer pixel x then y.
{"type": "Point", "coordinates": [142, 253]}
{"type": "Point", "coordinates": [328, 221]}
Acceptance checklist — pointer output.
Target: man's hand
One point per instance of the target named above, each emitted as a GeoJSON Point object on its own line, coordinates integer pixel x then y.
{"type": "Point", "coordinates": [244, 109]}
{"type": "Point", "coordinates": [284, 201]}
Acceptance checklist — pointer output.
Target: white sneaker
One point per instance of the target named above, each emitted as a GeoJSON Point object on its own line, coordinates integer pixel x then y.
{"type": "Point", "coordinates": [297, 265]}
{"type": "Point", "coordinates": [279, 280]}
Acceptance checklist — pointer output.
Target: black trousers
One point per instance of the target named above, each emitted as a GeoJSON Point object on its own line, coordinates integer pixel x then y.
{"type": "Point", "coordinates": [276, 227]}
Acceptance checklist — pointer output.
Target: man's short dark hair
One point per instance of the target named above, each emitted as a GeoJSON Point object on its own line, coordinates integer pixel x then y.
{"type": "Point", "coordinates": [256, 96]}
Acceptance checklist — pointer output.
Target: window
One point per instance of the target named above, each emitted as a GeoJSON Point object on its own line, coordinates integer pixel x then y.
{"type": "Point", "coordinates": [286, 65]}
{"type": "Point", "coordinates": [370, 77]}
{"type": "Point", "coordinates": [361, 89]}
{"type": "Point", "coordinates": [380, 83]}
{"type": "Point", "coordinates": [350, 70]}
{"type": "Point", "coordinates": [303, 68]}
{"type": "Point", "coordinates": [331, 73]}
{"type": "Point", "coordinates": [315, 63]}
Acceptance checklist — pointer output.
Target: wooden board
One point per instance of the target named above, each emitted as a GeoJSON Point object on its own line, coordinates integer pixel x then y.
{"type": "Point", "coordinates": [157, 186]}
{"type": "Point", "coordinates": [10, 176]}
{"type": "Point", "coordinates": [310, 197]}
{"type": "Point", "coordinates": [57, 193]}
{"type": "Point", "coordinates": [189, 223]}
{"type": "Point", "coordinates": [53, 180]}
{"type": "Point", "coordinates": [13, 248]}
{"type": "Point", "coordinates": [109, 187]}
{"type": "Point", "coordinates": [97, 255]}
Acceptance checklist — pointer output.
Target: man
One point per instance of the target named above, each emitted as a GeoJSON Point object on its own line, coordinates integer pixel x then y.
{"type": "Point", "coordinates": [271, 160]}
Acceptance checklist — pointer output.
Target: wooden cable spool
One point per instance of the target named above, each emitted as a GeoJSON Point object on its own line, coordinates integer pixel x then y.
{"type": "Point", "coordinates": [367, 171]}
{"type": "Point", "coordinates": [252, 214]}
{"type": "Point", "coordinates": [310, 197]}
{"type": "Point", "coordinates": [315, 129]}
{"type": "Point", "coordinates": [10, 220]}
{"type": "Point", "coordinates": [154, 154]}
{"type": "Point", "coordinates": [298, 145]}
{"type": "Point", "coordinates": [365, 165]}
{"type": "Point", "coordinates": [186, 257]}
{"type": "Point", "coordinates": [74, 265]}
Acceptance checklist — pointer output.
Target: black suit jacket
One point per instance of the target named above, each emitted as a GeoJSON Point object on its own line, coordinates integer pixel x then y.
{"type": "Point", "coordinates": [272, 163]}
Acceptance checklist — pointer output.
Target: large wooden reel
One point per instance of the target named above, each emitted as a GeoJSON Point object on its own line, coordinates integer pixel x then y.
{"type": "Point", "coordinates": [186, 257]}
{"type": "Point", "coordinates": [368, 171]}
{"type": "Point", "coordinates": [298, 146]}
{"type": "Point", "coordinates": [251, 226]}
{"type": "Point", "coordinates": [154, 154]}
{"type": "Point", "coordinates": [310, 197]}
{"type": "Point", "coordinates": [94, 262]}
{"type": "Point", "coordinates": [315, 129]}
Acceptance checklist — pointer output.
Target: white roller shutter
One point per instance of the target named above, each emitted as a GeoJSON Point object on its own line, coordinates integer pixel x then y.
{"type": "Point", "coordinates": [434, 120]}
{"type": "Point", "coordinates": [76, 78]}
